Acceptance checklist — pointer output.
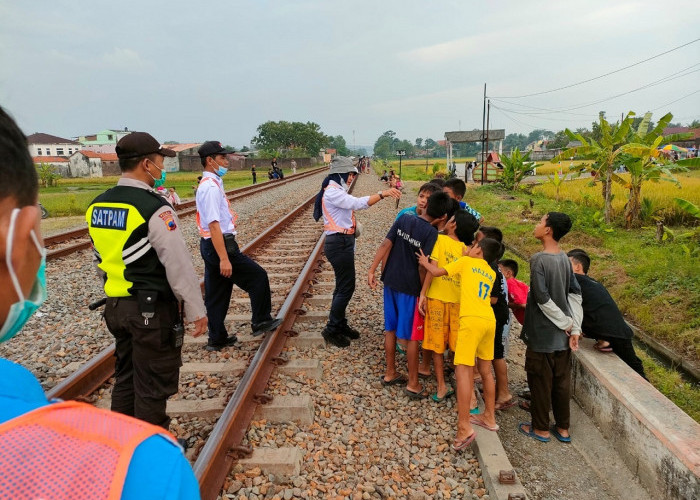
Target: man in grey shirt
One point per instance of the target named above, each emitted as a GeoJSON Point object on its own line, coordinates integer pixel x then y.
{"type": "Point", "coordinates": [551, 330]}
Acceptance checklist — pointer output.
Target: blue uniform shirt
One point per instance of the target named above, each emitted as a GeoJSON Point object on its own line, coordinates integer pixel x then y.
{"type": "Point", "coordinates": [158, 468]}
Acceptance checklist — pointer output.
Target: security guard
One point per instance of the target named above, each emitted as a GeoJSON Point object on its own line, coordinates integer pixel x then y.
{"type": "Point", "coordinates": [147, 271]}
{"type": "Point", "coordinates": [62, 449]}
{"type": "Point", "coordinates": [224, 264]}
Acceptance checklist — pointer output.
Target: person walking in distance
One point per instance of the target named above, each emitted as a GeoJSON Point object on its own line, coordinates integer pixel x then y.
{"type": "Point", "coordinates": [224, 264]}
{"type": "Point", "coordinates": [254, 174]}
{"type": "Point", "coordinates": [338, 210]}
{"type": "Point", "coordinates": [294, 166]}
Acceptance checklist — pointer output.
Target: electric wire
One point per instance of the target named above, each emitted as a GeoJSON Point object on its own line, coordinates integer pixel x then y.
{"type": "Point", "coordinates": [600, 76]}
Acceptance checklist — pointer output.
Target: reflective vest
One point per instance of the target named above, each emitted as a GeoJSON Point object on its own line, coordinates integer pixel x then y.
{"type": "Point", "coordinates": [70, 451]}
{"type": "Point", "coordinates": [118, 225]}
{"type": "Point", "coordinates": [331, 225]}
{"type": "Point", "coordinates": [204, 233]}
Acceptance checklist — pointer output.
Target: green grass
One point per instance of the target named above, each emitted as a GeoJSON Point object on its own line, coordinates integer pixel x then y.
{"type": "Point", "coordinates": [73, 196]}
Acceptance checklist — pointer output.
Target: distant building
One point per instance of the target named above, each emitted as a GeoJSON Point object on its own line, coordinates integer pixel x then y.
{"type": "Point", "coordinates": [87, 163]}
{"type": "Point", "coordinates": [692, 142]}
{"type": "Point", "coordinates": [41, 144]}
{"type": "Point", "coordinates": [187, 158]}
{"type": "Point", "coordinates": [109, 136]}
{"type": "Point", "coordinates": [60, 163]}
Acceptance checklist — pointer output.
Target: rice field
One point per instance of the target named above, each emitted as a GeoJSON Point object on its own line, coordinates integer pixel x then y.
{"type": "Point", "coordinates": [660, 194]}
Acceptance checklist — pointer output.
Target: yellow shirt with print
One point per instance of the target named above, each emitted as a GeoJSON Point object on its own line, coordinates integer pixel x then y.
{"type": "Point", "coordinates": [476, 282]}
{"type": "Point", "coordinates": [445, 251]}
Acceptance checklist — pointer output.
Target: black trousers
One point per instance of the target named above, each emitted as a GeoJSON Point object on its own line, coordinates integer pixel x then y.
{"type": "Point", "coordinates": [148, 364]}
{"type": "Point", "coordinates": [340, 252]}
{"type": "Point", "coordinates": [549, 379]}
{"type": "Point", "coordinates": [625, 351]}
{"type": "Point", "coordinates": [247, 274]}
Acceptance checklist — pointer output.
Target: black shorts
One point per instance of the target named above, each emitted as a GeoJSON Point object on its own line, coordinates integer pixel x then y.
{"type": "Point", "coordinates": [500, 343]}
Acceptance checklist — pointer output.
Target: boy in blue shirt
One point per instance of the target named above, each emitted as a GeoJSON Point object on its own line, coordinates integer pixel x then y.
{"type": "Point", "coordinates": [402, 285]}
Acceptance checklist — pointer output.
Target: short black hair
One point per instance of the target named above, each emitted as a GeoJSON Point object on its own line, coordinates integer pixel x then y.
{"type": "Point", "coordinates": [510, 264]}
{"type": "Point", "coordinates": [19, 178]}
{"type": "Point", "coordinates": [466, 226]}
{"type": "Point", "coordinates": [492, 232]}
{"type": "Point", "coordinates": [439, 181]}
{"type": "Point", "coordinates": [560, 224]}
{"type": "Point", "coordinates": [438, 205]}
{"type": "Point", "coordinates": [458, 187]}
{"type": "Point", "coordinates": [581, 257]}
{"type": "Point", "coordinates": [129, 164]}
{"type": "Point", "coordinates": [429, 187]}
{"type": "Point", "coordinates": [490, 248]}
{"type": "Point", "coordinates": [453, 207]}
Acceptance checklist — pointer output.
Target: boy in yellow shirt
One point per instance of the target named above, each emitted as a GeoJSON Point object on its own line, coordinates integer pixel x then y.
{"type": "Point", "coordinates": [475, 339]}
{"type": "Point", "coordinates": [439, 299]}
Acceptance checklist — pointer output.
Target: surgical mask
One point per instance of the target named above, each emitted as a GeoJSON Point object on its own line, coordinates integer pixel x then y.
{"type": "Point", "coordinates": [220, 171]}
{"type": "Point", "coordinates": [22, 310]}
{"type": "Point", "coordinates": [158, 182]}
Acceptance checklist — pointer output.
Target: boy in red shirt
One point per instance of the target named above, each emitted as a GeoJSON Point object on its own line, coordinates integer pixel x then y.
{"type": "Point", "coordinates": [517, 290]}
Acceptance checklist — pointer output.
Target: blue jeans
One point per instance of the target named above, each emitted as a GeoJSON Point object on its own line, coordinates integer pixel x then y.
{"type": "Point", "coordinates": [340, 252]}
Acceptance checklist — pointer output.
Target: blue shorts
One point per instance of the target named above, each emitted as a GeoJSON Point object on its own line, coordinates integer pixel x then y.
{"type": "Point", "coordinates": [399, 309]}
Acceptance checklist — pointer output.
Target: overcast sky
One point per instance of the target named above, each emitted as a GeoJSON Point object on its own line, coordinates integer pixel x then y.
{"type": "Point", "coordinates": [194, 71]}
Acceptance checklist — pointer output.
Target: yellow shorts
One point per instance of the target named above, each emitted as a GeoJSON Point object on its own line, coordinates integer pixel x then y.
{"type": "Point", "coordinates": [441, 323]}
{"type": "Point", "coordinates": [474, 340]}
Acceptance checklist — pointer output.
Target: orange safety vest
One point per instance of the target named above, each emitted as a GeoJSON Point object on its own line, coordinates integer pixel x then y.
{"type": "Point", "coordinates": [203, 232]}
{"type": "Point", "coordinates": [70, 451]}
{"type": "Point", "coordinates": [331, 225]}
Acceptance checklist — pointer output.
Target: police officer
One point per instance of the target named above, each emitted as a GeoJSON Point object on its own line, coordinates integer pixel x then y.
{"type": "Point", "coordinates": [145, 462]}
{"type": "Point", "coordinates": [147, 272]}
{"type": "Point", "coordinates": [338, 210]}
{"type": "Point", "coordinates": [224, 264]}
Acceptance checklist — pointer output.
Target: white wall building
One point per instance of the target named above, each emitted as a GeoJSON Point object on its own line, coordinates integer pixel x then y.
{"type": "Point", "coordinates": [41, 144]}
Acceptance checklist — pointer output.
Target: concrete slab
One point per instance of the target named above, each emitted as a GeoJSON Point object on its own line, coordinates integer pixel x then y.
{"type": "Point", "coordinates": [227, 367]}
{"type": "Point", "coordinates": [313, 317]}
{"type": "Point", "coordinates": [310, 367]}
{"type": "Point", "coordinates": [306, 340]}
{"type": "Point", "coordinates": [320, 299]}
{"type": "Point", "coordinates": [298, 409]}
{"type": "Point", "coordinates": [204, 408]}
{"type": "Point", "coordinates": [656, 439]}
{"type": "Point", "coordinates": [284, 463]}
{"type": "Point", "coordinates": [493, 459]}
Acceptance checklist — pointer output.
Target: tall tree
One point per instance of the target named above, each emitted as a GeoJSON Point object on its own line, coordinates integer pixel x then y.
{"type": "Point", "coordinates": [277, 137]}
{"type": "Point", "coordinates": [419, 142]}
{"type": "Point", "coordinates": [338, 143]}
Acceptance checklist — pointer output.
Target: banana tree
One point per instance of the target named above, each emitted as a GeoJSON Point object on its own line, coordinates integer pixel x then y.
{"type": "Point", "coordinates": [645, 162]}
{"type": "Point", "coordinates": [515, 167]}
{"type": "Point", "coordinates": [606, 154]}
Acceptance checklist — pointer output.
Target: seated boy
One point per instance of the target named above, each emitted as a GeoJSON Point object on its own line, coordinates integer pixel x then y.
{"type": "Point", "coordinates": [423, 194]}
{"type": "Point", "coordinates": [456, 188]}
{"type": "Point", "coordinates": [475, 338]}
{"type": "Point", "coordinates": [517, 290]}
{"type": "Point", "coordinates": [602, 319]}
{"type": "Point", "coordinates": [402, 285]}
{"type": "Point", "coordinates": [439, 299]}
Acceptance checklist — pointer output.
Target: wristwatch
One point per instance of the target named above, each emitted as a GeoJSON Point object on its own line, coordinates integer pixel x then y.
{"type": "Point", "coordinates": [381, 196]}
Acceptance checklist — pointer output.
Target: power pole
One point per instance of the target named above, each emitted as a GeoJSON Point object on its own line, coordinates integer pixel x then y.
{"type": "Point", "coordinates": [483, 136]}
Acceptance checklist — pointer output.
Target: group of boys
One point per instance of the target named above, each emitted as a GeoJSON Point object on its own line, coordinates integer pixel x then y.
{"type": "Point", "coordinates": [445, 286]}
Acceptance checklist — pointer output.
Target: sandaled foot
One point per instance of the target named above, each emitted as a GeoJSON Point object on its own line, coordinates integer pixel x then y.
{"type": "Point", "coordinates": [559, 436]}
{"type": "Point", "coordinates": [531, 433]}
{"type": "Point", "coordinates": [398, 379]}
{"type": "Point", "coordinates": [460, 444]}
{"type": "Point", "coordinates": [509, 403]}
{"type": "Point", "coordinates": [478, 421]}
{"type": "Point", "coordinates": [422, 394]}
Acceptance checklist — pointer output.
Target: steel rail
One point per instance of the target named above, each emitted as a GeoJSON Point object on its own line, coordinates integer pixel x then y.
{"type": "Point", "coordinates": [223, 445]}
{"type": "Point", "coordinates": [183, 209]}
{"type": "Point", "coordinates": [100, 368]}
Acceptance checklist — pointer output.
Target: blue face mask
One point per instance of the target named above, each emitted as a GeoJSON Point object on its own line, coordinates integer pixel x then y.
{"type": "Point", "coordinates": [220, 171]}
{"type": "Point", "coordinates": [161, 181]}
{"type": "Point", "coordinates": [22, 310]}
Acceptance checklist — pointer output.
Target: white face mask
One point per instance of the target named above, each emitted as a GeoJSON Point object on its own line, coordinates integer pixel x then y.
{"type": "Point", "coordinates": [22, 310]}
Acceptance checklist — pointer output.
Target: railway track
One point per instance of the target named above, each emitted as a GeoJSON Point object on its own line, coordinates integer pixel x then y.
{"type": "Point", "coordinates": [66, 243]}
{"type": "Point", "coordinates": [291, 251]}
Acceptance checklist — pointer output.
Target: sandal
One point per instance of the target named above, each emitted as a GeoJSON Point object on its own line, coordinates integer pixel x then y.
{"type": "Point", "coordinates": [525, 405]}
{"type": "Point", "coordinates": [481, 423]}
{"type": "Point", "coordinates": [422, 394]}
{"type": "Point", "coordinates": [505, 405]}
{"type": "Point", "coordinates": [531, 433]}
{"type": "Point", "coordinates": [459, 445]}
{"type": "Point", "coordinates": [563, 439]}
{"type": "Point", "coordinates": [450, 392]}
{"type": "Point", "coordinates": [399, 379]}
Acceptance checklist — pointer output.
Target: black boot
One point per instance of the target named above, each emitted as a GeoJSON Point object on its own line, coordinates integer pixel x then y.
{"type": "Point", "coordinates": [335, 337]}
{"type": "Point", "coordinates": [350, 332]}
